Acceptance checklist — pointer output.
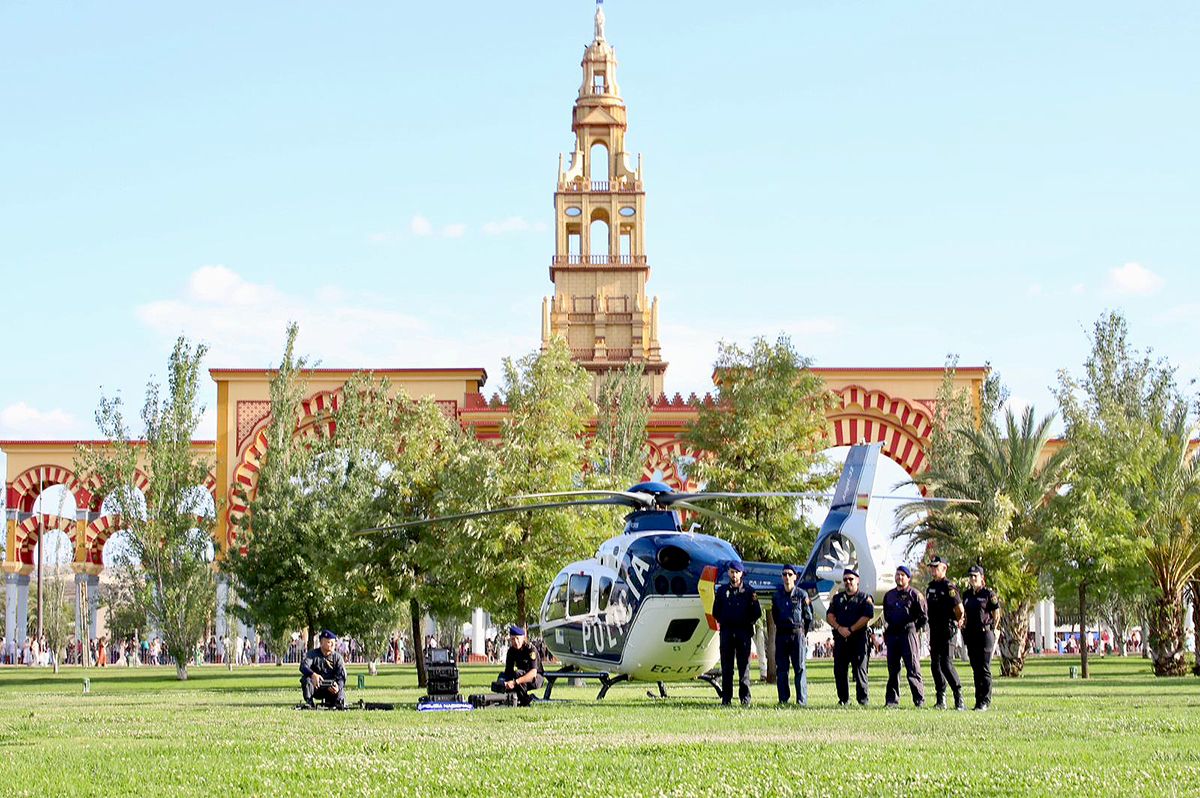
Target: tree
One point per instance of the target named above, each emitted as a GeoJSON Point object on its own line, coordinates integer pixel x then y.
{"type": "Point", "coordinates": [170, 533]}
{"type": "Point", "coordinates": [764, 433]}
{"type": "Point", "coordinates": [542, 449]}
{"type": "Point", "coordinates": [1014, 494]}
{"type": "Point", "coordinates": [418, 463]}
{"type": "Point", "coordinates": [56, 611]}
{"type": "Point", "coordinates": [622, 413]}
{"type": "Point", "coordinates": [1172, 531]}
{"type": "Point", "coordinates": [1124, 415]}
{"type": "Point", "coordinates": [284, 564]}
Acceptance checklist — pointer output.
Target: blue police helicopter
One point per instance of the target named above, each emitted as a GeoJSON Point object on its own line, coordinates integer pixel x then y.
{"type": "Point", "coordinates": [641, 608]}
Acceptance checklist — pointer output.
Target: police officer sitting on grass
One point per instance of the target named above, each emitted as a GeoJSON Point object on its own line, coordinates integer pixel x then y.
{"type": "Point", "coordinates": [521, 672]}
{"type": "Point", "coordinates": [324, 675]}
{"type": "Point", "coordinates": [792, 612]}
{"type": "Point", "coordinates": [904, 615]}
{"type": "Point", "coordinates": [736, 610]}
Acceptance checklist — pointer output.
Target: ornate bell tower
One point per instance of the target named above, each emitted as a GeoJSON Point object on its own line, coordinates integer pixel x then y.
{"type": "Point", "coordinates": [599, 269]}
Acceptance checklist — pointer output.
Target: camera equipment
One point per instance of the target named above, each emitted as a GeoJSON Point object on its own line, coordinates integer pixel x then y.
{"type": "Point", "coordinates": [441, 672]}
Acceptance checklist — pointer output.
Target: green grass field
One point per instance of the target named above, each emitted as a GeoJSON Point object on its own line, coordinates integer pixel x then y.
{"type": "Point", "coordinates": [220, 733]}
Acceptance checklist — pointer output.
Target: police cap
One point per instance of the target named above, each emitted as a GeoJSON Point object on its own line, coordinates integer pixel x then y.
{"type": "Point", "coordinates": [975, 569]}
{"type": "Point", "coordinates": [938, 561]}
{"type": "Point", "coordinates": [849, 572]}
{"type": "Point", "coordinates": [328, 635]}
{"type": "Point", "coordinates": [903, 569]}
{"type": "Point", "coordinates": [516, 631]}
{"type": "Point", "coordinates": [736, 565]}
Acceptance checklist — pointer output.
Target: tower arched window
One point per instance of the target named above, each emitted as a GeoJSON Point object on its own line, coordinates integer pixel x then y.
{"type": "Point", "coordinates": [598, 166]}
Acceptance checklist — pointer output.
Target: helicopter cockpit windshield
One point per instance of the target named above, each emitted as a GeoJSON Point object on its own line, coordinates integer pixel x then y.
{"type": "Point", "coordinates": [581, 589]}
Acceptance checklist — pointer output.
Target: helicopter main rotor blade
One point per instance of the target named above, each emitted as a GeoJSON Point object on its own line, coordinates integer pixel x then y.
{"type": "Point", "coordinates": [674, 498]}
{"type": "Point", "coordinates": [496, 511]}
{"type": "Point", "coordinates": [638, 499]}
{"type": "Point", "coordinates": [704, 511]}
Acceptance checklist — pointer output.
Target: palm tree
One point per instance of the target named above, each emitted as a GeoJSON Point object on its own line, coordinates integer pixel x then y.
{"type": "Point", "coordinates": [1012, 492]}
{"type": "Point", "coordinates": [1172, 528]}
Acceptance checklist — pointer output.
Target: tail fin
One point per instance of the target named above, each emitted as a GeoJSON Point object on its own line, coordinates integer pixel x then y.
{"type": "Point", "coordinates": [842, 541]}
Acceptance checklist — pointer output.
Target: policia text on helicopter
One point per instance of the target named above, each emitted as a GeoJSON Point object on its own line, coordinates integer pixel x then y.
{"type": "Point", "coordinates": [944, 609]}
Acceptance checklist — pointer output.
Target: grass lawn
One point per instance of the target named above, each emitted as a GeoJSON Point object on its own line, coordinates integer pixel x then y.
{"type": "Point", "coordinates": [140, 732]}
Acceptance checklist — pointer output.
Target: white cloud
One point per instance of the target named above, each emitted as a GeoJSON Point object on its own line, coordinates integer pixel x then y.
{"type": "Point", "coordinates": [337, 327]}
{"type": "Point", "coordinates": [420, 226]}
{"type": "Point", "coordinates": [20, 420]}
{"type": "Point", "coordinates": [1078, 289]}
{"type": "Point", "coordinates": [454, 230]}
{"type": "Point", "coordinates": [1134, 279]}
{"type": "Point", "coordinates": [513, 224]}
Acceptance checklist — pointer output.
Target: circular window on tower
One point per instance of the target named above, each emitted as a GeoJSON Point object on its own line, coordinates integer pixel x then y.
{"type": "Point", "coordinates": [628, 211]}
{"type": "Point", "coordinates": [573, 210]}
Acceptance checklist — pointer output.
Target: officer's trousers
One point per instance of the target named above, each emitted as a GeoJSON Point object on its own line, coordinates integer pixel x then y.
{"type": "Point", "coordinates": [791, 651]}
{"type": "Point", "coordinates": [904, 646]}
{"type": "Point", "coordinates": [323, 694]}
{"type": "Point", "coordinates": [851, 652]}
{"type": "Point", "coordinates": [521, 689]}
{"type": "Point", "coordinates": [941, 662]}
{"type": "Point", "coordinates": [735, 651]}
{"type": "Point", "coordinates": [980, 645]}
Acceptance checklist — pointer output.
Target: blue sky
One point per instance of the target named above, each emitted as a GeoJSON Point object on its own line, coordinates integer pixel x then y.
{"type": "Point", "coordinates": [888, 182]}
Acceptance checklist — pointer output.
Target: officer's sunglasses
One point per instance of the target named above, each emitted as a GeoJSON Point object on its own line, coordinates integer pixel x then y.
{"type": "Point", "coordinates": [849, 579]}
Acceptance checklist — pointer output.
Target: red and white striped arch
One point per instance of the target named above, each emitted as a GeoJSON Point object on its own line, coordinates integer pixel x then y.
{"type": "Point", "coordinates": [29, 532]}
{"type": "Point", "coordinates": [663, 456]}
{"type": "Point", "coordinates": [315, 417]}
{"type": "Point", "coordinates": [27, 484]}
{"type": "Point", "coordinates": [870, 416]}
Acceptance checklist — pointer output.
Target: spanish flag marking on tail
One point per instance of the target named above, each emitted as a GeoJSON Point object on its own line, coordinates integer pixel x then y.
{"type": "Point", "coordinates": [862, 501]}
{"type": "Point", "coordinates": [708, 593]}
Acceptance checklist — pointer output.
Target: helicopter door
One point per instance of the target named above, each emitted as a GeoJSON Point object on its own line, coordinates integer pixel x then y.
{"type": "Point", "coordinates": [579, 595]}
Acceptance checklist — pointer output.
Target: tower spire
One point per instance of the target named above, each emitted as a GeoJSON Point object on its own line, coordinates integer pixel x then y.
{"type": "Point", "coordinates": [599, 268]}
{"type": "Point", "coordinates": [599, 20]}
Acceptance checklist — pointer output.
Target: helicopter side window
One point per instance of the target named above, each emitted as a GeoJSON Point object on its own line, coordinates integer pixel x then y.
{"type": "Point", "coordinates": [556, 601]}
{"type": "Point", "coordinates": [606, 586]}
{"type": "Point", "coordinates": [579, 595]}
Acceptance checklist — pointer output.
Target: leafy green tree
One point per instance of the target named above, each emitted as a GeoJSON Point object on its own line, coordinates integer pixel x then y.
{"type": "Point", "coordinates": [422, 464]}
{"type": "Point", "coordinates": [170, 531]}
{"type": "Point", "coordinates": [57, 614]}
{"type": "Point", "coordinates": [283, 567]}
{"type": "Point", "coordinates": [1014, 494]}
{"type": "Point", "coordinates": [542, 448]}
{"type": "Point", "coordinates": [1124, 415]}
{"type": "Point", "coordinates": [764, 433]}
{"type": "Point", "coordinates": [622, 413]}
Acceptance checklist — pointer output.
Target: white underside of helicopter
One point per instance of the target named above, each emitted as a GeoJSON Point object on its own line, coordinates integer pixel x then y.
{"type": "Point", "coordinates": [645, 654]}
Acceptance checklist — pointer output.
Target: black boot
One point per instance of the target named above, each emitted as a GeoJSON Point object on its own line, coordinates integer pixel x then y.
{"type": "Point", "coordinates": [959, 704]}
{"type": "Point", "coordinates": [941, 701]}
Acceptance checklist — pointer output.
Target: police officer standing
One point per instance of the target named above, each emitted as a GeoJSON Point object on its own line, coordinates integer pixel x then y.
{"type": "Point", "coordinates": [792, 612]}
{"type": "Point", "coordinates": [849, 613]}
{"type": "Point", "coordinates": [904, 617]}
{"type": "Point", "coordinates": [945, 619]}
{"type": "Point", "coordinates": [982, 610]}
{"type": "Point", "coordinates": [736, 610]}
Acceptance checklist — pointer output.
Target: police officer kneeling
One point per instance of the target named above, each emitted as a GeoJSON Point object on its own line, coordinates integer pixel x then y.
{"type": "Point", "coordinates": [324, 674]}
{"type": "Point", "coordinates": [849, 613]}
{"type": "Point", "coordinates": [736, 610]}
{"type": "Point", "coordinates": [792, 612]}
{"type": "Point", "coordinates": [982, 609]}
{"type": "Point", "coordinates": [904, 616]}
{"type": "Point", "coordinates": [521, 672]}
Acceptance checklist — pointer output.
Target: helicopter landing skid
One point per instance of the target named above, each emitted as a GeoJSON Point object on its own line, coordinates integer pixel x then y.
{"type": "Point", "coordinates": [714, 681]}
{"type": "Point", "coordinates": [662, 692]}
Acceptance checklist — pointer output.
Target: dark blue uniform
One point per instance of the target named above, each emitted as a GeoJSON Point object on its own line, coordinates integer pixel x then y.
{"type": "Point", "coordinates": [330, 668]}
{"type": "Point", "coordinates": [851, 651]}
{"type": "Point", "coordinates": [941, 599]}
{"type": "Point", "coordinates": [904, 617]}
{"type": "Point", "coordinates": [736, 610]}
{"type": "Point", "coordinates": [979, 634]}
{"type": "Point", "coordinates": [793, 615]}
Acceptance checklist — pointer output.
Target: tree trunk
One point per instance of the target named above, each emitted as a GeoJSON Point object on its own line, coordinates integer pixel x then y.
{"type": "Point", "coordinates": [1083, 647]}
{"type": "Point", "coordinates": [1166, 636]}
{"type": "Point", "coordinates": [522, 602]}
{"type": "Point", "coordinates": [181, 670]}
{"type": "Point", "coordinates": [1196, 625]}
{"type": "Point", "coordinates": [373, 667]}
{"type": "Point", "coordinates": [1014, 629]}
{"type": "Point", "coordinates": [414, 608]}
{"type": "Point", "coordinates": [770, 648]}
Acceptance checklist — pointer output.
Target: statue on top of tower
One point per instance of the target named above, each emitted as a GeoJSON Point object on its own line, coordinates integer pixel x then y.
{"type": "Point", "coordinates": [599, 20]}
